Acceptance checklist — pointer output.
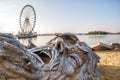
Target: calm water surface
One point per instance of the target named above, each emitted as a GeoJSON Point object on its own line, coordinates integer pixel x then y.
{"type": "Point", "coordinates": [89, 39]}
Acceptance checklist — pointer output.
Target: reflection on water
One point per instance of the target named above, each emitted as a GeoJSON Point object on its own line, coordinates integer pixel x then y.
{"type": "Point", "coordinates": [89, 39]}
{"type": "Point", "coordinates": [25, 41]}
{"type": "Point", "coordinates": [97, 36]}
{"type": "Point", "coordinates": [39, 41]}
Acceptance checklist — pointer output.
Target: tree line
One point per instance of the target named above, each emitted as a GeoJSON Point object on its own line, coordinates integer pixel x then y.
{"type": "Point", "coordinates": [101, 32]}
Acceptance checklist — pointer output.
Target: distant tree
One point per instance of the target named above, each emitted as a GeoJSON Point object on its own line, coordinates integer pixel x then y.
{"type": "Point", "coordinates": [98, 32]}
{"type": "Point", "coordinates": [118, 33]}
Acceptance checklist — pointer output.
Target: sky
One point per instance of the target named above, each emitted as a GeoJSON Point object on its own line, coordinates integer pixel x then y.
{"type": "Point", "coordinates": [77, 16]}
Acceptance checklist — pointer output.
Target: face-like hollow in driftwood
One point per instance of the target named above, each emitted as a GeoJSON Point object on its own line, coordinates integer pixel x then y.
{"type": "Point", "coordinates": [62, 58]}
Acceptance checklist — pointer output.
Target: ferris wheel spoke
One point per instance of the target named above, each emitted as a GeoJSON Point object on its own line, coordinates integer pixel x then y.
{"type": "Point", "coordinates": [32, 16]}
{"type": "Point", "coordinates": [25, 13]}
{"type": "Point", "coordinates": [32, 20]}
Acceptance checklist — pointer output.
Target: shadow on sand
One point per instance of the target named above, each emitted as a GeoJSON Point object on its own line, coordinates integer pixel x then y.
{"type": "Point", "coordinates": [109, 72]}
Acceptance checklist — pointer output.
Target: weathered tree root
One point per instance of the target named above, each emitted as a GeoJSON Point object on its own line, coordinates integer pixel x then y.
{"type": "Point", "coordinates": [62, 58]}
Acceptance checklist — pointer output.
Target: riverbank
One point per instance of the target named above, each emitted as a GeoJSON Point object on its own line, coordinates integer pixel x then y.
{"type": "Point", "coordinates": [109, 65]}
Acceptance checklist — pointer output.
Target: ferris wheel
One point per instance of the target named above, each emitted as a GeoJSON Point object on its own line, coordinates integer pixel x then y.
{"type": "Point", "coordinates": [27, 19]}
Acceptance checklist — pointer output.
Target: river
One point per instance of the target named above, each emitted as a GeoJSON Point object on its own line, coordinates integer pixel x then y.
{"type": "Point", "coordinates": [89, 39]}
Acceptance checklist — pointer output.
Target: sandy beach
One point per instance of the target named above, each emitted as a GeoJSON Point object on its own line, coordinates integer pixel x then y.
{"type": "Point", "coordinates": [109, 65]}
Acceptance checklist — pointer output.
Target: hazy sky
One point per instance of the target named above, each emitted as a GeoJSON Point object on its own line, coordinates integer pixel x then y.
{"type": "Point", "coordinates": [63, 15]}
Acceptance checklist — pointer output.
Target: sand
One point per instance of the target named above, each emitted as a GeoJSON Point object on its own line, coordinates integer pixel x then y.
{"type": "Point", "coordinates": [109, 65]}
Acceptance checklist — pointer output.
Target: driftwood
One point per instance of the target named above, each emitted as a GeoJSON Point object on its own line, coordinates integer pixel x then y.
{"type": "Point", "coordinates": [115, 46]}
{"type": "Point", "coordinates": [62, 58]}
{"type": "Point", "coordinates": [101, 46]}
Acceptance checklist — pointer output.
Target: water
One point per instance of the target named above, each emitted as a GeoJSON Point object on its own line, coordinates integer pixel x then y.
{"type": "Point", "coordinates": [93, 39]}
{"type": "Point", "coordinates": [89, 39]}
